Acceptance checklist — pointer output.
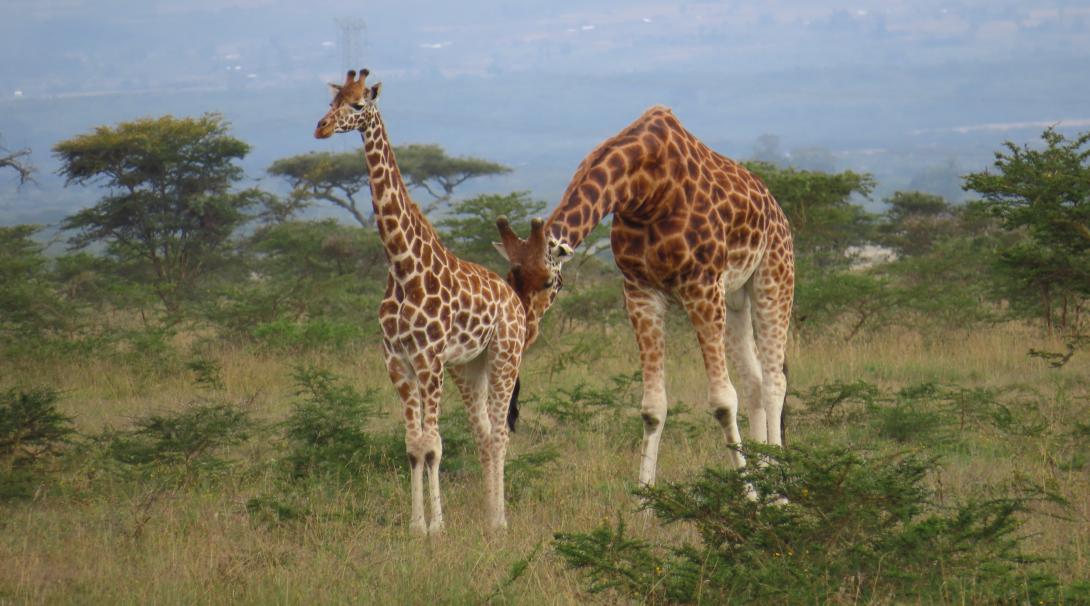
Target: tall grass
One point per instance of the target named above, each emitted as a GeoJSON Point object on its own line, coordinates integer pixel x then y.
{"type": "Point", "coordinates": [253, 534]}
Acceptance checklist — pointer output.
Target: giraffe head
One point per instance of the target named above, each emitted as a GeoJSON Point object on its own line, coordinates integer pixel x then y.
{"type": "Point", "coordinates": [535, 269]}
{"type": "Point", "coordinates": [353, 107]}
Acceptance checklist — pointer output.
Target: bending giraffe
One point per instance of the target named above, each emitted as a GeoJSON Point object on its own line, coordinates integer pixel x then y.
{"type": "Point", "coordinates": [438, 312]}
{"type": "Point", "coordinates": [692, 226]}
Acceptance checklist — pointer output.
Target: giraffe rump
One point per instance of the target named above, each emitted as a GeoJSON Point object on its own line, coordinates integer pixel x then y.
{"type": "Point", "coordinates": [513, 409]}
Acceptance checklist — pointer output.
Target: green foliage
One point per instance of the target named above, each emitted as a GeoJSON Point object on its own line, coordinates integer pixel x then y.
{"type": "Point", "coordinates": [470, 228]}
{"type": "Point", "coordinates": [924, 413]}
{"type": "Point", "coordinates": [1044, 194]}
{"type": "Point", "coordinates": [327, 429]}
{"type": "Point", "coordinates": [307, 334]}
{"type": "Point", "coordinates": [310, 285]}
{"type": "Point", "coordinates": [31, 430]}
{"type": "Point", "coordinates": [855, 527]}
{"type": "Point", "coordinates": [170, 209]}
{"type": "Point", "coordinates": [824, 221]}
{"type": "Point", "coordinates": [207, 373]}
{"type": "Point", "coordinates": [29, 303]}
{"type": "Point", "coordinates": [189, 439]}
{"type": "Point", "coordinates": [915, 221]}
{"type": "Point", "coordinates": [864, 300]}
{"type": "Point", "coordinates": [598, 303]}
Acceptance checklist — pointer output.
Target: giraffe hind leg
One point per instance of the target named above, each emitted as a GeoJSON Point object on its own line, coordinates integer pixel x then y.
{"type": "Point", "coordinates": [771, 298]}
{"type": "Point", "coordinates": [742, 357]}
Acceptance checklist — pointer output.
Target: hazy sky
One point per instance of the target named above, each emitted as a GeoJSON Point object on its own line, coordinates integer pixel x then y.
{"type": "Point", "coordinates": [893, 87]}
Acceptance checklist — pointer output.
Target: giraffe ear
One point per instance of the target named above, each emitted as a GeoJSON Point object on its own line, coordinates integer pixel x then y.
{"type": "Point", "coordinates": [375, 90]}
{"type": "Point", "coordinates": [503, 251]}
{"type": "Point", "coordinates": [334, 88]}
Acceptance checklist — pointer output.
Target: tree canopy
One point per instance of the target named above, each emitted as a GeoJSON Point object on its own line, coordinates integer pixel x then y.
{"type": "Point", "coordinates": [339, 177]}
{"type": "Point", "coordinates": [170, 208]}
{"type": "Point", "coordinates": [333, 177]}
{"type": "Point", "coordinates": [428, 167]}
{"type": "Point", "coordinates": [1043, 194]}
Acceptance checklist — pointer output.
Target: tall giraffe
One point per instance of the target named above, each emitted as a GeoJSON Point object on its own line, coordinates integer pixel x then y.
{"type": "Point", "coordinates": [689, 225]}
{"type": "Point", "coordinates": [439, 312]}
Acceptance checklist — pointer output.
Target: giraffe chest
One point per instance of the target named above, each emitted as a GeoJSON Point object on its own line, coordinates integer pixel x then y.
{"type": "Point", "coordinates": [454, 326]}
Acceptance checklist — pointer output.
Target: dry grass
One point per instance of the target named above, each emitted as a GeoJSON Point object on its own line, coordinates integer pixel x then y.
{"type": "Point", "coordinates": [96, 539]}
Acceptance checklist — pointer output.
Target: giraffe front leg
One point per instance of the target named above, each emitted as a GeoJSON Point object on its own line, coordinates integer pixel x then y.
{"type": "Point", "coordinates": [429, 374]}
{"type": "Point", "coordinates": [647, 312]}
{"type": "Point", "coordinates": [404, 380]}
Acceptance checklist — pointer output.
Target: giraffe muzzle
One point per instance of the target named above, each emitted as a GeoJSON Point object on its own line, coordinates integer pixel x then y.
{"type": "Point", "coordinates": [324, 129]}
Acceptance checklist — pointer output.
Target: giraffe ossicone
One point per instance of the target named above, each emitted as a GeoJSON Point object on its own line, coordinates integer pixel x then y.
{"type": "Point", "coordinates": [440, 313]}
{"type": "Point", "coordinates": [691, 226]}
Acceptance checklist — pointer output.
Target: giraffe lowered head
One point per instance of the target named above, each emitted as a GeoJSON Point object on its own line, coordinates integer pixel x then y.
{"type": "Point", "coordinates": [535, 272]}
{"type": "Point", "coordinates": [353, 107]}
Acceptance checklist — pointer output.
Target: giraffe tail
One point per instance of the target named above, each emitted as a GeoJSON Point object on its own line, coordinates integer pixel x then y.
{"type": "Point", "coordinates": [783, 410]}
{"type": "Point", "coordinates": [513, 409]}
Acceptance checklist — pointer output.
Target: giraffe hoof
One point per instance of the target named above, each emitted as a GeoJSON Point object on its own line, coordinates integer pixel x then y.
{"type": "Point", "coordinates": [436, 528]}
{"type": "Point", "coordinates": [751, 493]}
{"type": "Point", "coordinates": [418, 529]}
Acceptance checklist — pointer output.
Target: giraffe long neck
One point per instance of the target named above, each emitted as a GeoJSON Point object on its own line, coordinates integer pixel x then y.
{"type": "Point", "coordinates": [593, 193]}
{"type": "Point", "coordinates": [625, 170]}
{"type": "Point", "coordinates": [401, 225]}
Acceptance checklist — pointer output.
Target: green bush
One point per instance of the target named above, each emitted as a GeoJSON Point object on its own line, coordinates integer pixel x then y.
{"type": "Point", "coordinates": [327, 429]}
{"type": "Point", "coordinates": [307, 335]}
{"type": "Point", "coordinates": [31, 430]}
{"type": "Point", "coordinates": [190, 439]}
{"type": "Point", "coordinates": [855, 527]}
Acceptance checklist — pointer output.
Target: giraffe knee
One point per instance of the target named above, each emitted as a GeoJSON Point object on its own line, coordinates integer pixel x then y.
{"type": "Point", "coordinates": [650, 421]}
{"type": "Point", "coordinates": [413, 461]}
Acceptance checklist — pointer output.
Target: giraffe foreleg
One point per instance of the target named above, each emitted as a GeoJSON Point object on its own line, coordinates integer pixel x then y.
{"type": "Point", "coordinates": [647, 312]}
{"type": "Point", "coordinates": [429, 374]}
{"type": "Point", "coordinates": [404, 380]}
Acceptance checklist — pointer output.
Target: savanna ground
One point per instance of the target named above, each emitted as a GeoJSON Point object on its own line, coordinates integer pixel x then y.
{"type": "Point", "coordinates": [243, 531]}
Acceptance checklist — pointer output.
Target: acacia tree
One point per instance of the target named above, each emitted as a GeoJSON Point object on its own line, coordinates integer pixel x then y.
{"type": "Point", "coordinates": [17, 161]}
{"type": "Point", "coordinates": [340, 177]}
{"type": "Point", "coordinates": [916, 221]}
{"type": "Point", "coordinates": [1043, 194]}
{"type": "Point", "coordinates": [427, 166]}
{"type": "Point", "coordinates": [170, 208]}
{"type": "Point", "coordinates": [337, 178]}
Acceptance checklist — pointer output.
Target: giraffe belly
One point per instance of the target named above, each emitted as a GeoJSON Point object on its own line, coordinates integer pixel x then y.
{"type": "Point", "coordinates": [647, 255]}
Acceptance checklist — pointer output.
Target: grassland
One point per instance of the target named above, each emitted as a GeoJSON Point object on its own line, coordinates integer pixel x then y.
{"type": "Point", "coordinates": [244, 533]}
